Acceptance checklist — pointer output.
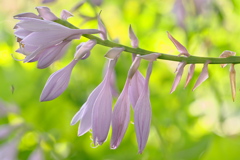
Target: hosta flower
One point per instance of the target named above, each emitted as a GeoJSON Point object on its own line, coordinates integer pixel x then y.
{"type": "Point", "coordinates": [121, 112]}
{"type": "Point", "coordinates": [57, 82]}
{"type": "Point", "coordinates": [142, 110]}
{"type": "Point", "coordinates": [137, 80]}
{"type": "Point", "coordinates": [190, 74]}
{"type": "Point", "coordinates": [178, 77]}
{"type": "Point", "coordinates": [203, 76]}
{"type": "Point", "coordinates": [96, 113]}
{"type": "Point", "coordinates": [232, 77]}
{"type": "Point", "coordinates": [8, 151]}
{"type": "Point", "coordinates": [37, 154]}
{"type": "Point", "coordinates": [38, 38]}
{"type": "Point", "coordinates": [120, 116]}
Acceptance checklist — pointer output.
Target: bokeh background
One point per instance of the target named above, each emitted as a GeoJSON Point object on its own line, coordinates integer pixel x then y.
{"type": "Point", "coordinates": [186, 125]}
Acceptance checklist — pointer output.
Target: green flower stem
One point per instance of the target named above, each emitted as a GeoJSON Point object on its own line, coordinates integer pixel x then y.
{"type": "Point", "coordinates": [188, 60]}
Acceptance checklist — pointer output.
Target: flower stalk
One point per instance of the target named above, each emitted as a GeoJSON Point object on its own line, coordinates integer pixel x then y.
{"type": "Point", "coordinates": [188, 60]}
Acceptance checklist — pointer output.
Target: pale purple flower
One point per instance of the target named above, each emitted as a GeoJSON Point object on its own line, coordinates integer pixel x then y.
{"type": "Point", "coordinates": [178, 77]}
{"type": "Point", "coordinates": [102, 111]}
{"type": "Point", "coordinates": [97, 2]}
{"type": "Point", "coordinates": [190, 74]}
{"type": "Point", "coordinates": [143, 113]}
{"type": "Point", "coordinates": [102, 28]}
{"type": "Point", "coordinates": [37, 154]}
{"type": "Point", "coordinates": [46, 13]}
{"type": "Point", "coordinates": [5, 131]}
{"type": "Point", "coordinates": [66, 14]}
{"type": "Point", "coordinates": [114, 88]}
{"type": "Point", "coordinates": [135, 87]}
{"type": "Point", "coordinates": [232, 76]}
{"type": "Point", "coordinates": [203, 76]}
{"type": "Point", "coordinates": [226, 54]}
{"type": "Point", "coordinates": [57, 82]}
{"type": "Point", "coordinates": [120, 116]}
{"type": "Point", "coordinates": [96, 112]}
{"type": "Point", "coordinates": [121, 112]}
{"type": "Point", "coordinates": [142, 110]}
{"type": "Point", "coordinates": [137, 80]}
{"type": "Point", "coordinates": [180, 12]}
{"type": "Point", "coordinates": [8, 151]}
{"type": "Point", "coordinates": [35, 36]}
{"type": "Point", "coordinates": [179, 46]}
{"type": "Point", "coordinates": [84, 49]}
{"type": "Point", "coordinates": [133, 38]}
{"type": "Point", "coordinates": [5, 109]}
{"type": "Point", "coordinates": [48, 1]}
{"type": "Point", "coordinates": [136, 83]}
{"type": "Point", "coordinates": [51, 54]}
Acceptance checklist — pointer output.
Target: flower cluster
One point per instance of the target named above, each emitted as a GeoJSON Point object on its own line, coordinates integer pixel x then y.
{"type": "Point", "coordinates": [44, 40]}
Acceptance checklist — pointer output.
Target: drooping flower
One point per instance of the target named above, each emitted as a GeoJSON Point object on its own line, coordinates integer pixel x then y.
{"type": "Point", "coordinates": [190, 74]}
{"type": "Point", "coordinates": [102, 28]}
{"type": "Point", "coordinates": [137, 80]}
{"type": "Point", "coordinates": [57, 82]}
{"type": "Point", "coordinates": [178, 77]}
{"type": "Point", "coordinates": [142, 110]}
{"type": "Point", "coordinates": [37, 36]}
{"type": "Point", "coordinates": [142, 115]}
{"type": "Point", "coordinates": [96, 112]}
{"type": "Point", "coordinates": [203, 76]}
{"type": "Point", "coordinates": [226, 54]}
{"type": "Point", "coordinates": [133, 38]}
{"type": "Point", "coordinates": [8, 151]}
{"type": "Point", "coordinates": [37, 154]}
{"type": "Point", "coordinates": [121, 112]}
{"type": "Point", "coordinates": [5, 130]}
{"type": "Point", "coordinates": [120, 117]}
{"type": "Point", "coordinates": [232, 76]}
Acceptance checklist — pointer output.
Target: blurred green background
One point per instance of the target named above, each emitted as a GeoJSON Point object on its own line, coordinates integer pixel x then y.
{"type": "Point", "coordinates": [186, 125]}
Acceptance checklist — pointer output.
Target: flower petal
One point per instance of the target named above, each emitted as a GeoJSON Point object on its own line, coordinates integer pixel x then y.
{"type": "Point", "coordinates": [46, 13]}
{"type": "Point", "coordinates": [120, 117]}
{"type": "Point", "coordinates": [233, 81]}
{"type": "Point", "coordinates": [52, 54]}
{"type": "Point", "coordinates": [84, 49]}
{"type": "Point", "coordinates": [190, 74]}
{"type": "Point", "coordinates": [143, 113]}
{"type": "Point", "coordinates": [150, 57]}
{"type": "Point", "coordinates": [133, 37]}
{"type": "Point", "coordinates": [135, 88]}
{"type": "Point", "coordinates": [178, 76]}
{"type": "Point", "coordinates": [86, 115]}
{"type": "Point", "coordinates": [102, 114]}
{"type": "Point", "coordinates": [57, 83]}
{"type": "Point", "coordinates": [27, 14]}
{"type": "Point", "coordinates": [179, 46]}
{"type": "Point", "coordinates": [203, 76]}
{"type": "Point", "coordinates": [114, 53]}
{"type": "Point", "coordinates": [226, 54]}
{"type": "Point", "coordinates": [65, 14]}
{"type": "Point", "coordinates": [37, 154]}
{"type": "Point", "coordinates": [102, 28]}
{"type": "Point", "coordinates": [134, 67]}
